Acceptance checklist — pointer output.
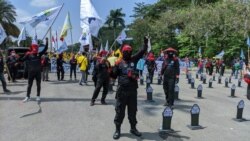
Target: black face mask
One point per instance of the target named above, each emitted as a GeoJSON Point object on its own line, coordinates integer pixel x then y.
{"type": "Point", "coordinates": [127, 55]}
{"type": "Point", "coordinates": [170, 55]}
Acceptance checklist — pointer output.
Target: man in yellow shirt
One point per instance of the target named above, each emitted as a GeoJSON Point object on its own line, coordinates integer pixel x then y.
{"type": "Point", "coordinates": [82, 62]}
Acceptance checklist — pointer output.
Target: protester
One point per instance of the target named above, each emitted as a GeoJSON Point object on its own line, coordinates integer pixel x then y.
{"type": "Point", "coordinates": [170, 71]}
{"type": "Point", "coordinates": [45, 67]}
{"type": "Point", "coordinates": [200, 66]}
{"type": "Point", "coordinates": [151, 66]}
{"type": "Point", "coordinates": [73, 63]}
{"type": "Point", "coordinates": [222, 68]}
{"type": "Point", "coordinates": [140, 66]}
{"type": "Point", "coordinates": [2, 74]}
{"type": "Point", "coordinates": [126, 94]}
{"type": "Point", "coordinates": [82, 62]}
{"type": "Point", "coordinates": [101, 73]}
{"type": "Point", "coordinates": [33, 59]}
{"type": "Point", "coordinates": [59, 67]}
{"type": "Point", "coordinates": [12, 63]}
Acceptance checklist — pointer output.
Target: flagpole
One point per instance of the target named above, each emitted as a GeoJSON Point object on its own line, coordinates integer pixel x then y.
{"type": "Point", "coordinates": [50, 38]}
{"type": "Point", "coordinates": [53, 21]}
{"type": "Point", "coordinates": [71, 40]}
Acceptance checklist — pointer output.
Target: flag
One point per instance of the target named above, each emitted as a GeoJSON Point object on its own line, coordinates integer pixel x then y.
{"type": "Point", "coordinates": [89, 17]}
{"type": "Point", "coordinates": [46, 16]}
{"type": "Point", "coordinates": [118, 51]}
{"type": "Point", "coordinates": [2, 34]}
{"type": "Point", "coordinates": [101, 48]}
{"type": "Point", "coordinates": [121, 37]}
{"type": "Point", "coordinates": [107, 46]}
{"type": "Point", "coordinates": [84, 38]}
{"type": "Point", "coordinates": [90, 43]}
{"type": "Point", "coordinates": [149, 45]}
{"type": "Point", "coordinates": [220, 55]}
{"type": "Point", "coordinates": [63, 47]}
{"type": "Point", "coordinates": [22, 36]}
{"type": "Point", "coordinates": [242, 54]}
{"type": "Point", "coordinates": [248, 41]}
{"type": "Point", "coordinates": [53, 41]}
{"type": "Point", "coordinates": [66, 26]}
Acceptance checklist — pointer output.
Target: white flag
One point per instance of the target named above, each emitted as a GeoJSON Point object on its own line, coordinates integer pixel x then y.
{"type": "Point", "coordinates": [84, 38]}
{"type": "Point", "coordinates": [89, 17]}
{"type": "Point", "coordinates": [107, 46]}
{"type": "Point", "coordinates": [149, 45]}
{"type": "Point", "coordinates": [121, 37]}
{"type": "Point", "coordinates": [63, 47]}
{"type": "Point", "coordinates": [2, 34]}
{"type": "Point", "coordinates": [46, 16]}
{"type": "Point", "coordinates": [101, 48]}
{"type": "Point", "coordinates": [90, 43]}
{"type": "Point", "coordinates": [22, 36]}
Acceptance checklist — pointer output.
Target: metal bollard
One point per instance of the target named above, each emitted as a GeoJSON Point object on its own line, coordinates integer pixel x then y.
{"type": "Point", "coordinates": [199, 91]}
{"type": "Point", "coordinates": [142, 80]}
{"type": "Point", "coordinates": [240, 108]}
{"type": "Point", "coordinates": [192, 83]}
{"type": "Point", "coordinates": [233, 90]}
{"type": "Point", "coordinates": [239, 82]}
{"type": "Point", "coordinates": [167, 118]}
{"type": "Point", "coordinates": [201, 77]}
{"type": "Point", "coordinates": [214, 77]}
{"type": "Point", "coordinates": [219, 80]}
{"type": "Point", "coordinates": [204, 79]}
{"type": "Point", "coordinates": [226, 82]}
{"type": "Point", "coordinates": [148, 81]}
{"type": "Point", "coordinates": [210, 83]}
{"type": "Point", "coordinates": [197, 76]}
{"type": "Point", "coordinates": [230, 79]}
{"type": "Point", "coordinates": [195, 112]}
{"type": "Point", "coordinates": [176, 92]}
{"type": "Point", "coordinates": [149, 91]}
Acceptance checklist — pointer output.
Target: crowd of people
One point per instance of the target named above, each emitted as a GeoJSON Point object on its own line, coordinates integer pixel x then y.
{"type": "Point", "coordinates": [108, 67]}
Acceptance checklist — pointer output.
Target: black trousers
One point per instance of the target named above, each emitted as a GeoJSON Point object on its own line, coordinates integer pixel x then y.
{"type": "Point", "coordinates": [60, 72]}
{"type": "Point", "coordinates": [13, 73]}
{"type": "Point", "coordinates": [72, 69]}
{"type": "Point", "coordinates": [3, 81]}
{"type": "Point", "coordinates": [31, 77]}
{"type": "Point", "coordinates": [125, 98]}
{"type": "Point", "coordinates": [168, 87]}
{"type": "Point", "coordinates": [151, 75]}
{"type": "Point", "coordinates": [99, 84]}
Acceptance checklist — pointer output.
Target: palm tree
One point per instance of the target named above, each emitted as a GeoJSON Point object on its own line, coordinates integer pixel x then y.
{"type": "Point", "coordinates": [7, 18]}
{"type": "Point", "coordinates": [115, 19]}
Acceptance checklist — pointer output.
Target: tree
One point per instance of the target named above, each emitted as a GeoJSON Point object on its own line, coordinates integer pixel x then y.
{"type": "Point", "coordinates": [7, 18]}
{"type": "Point", "coordinates": [141, 10]}
{"type": "Point", "coordinates": [115, 19]}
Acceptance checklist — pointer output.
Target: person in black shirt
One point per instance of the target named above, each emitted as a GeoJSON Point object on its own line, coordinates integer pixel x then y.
{"type": "Point", "coordinates": [33, 61]}
{"type": "Point", "coordinates": [73, 63]}
{"type": "Point", "coordinates": [170, 71]}
{"type": "Point", "coordinates": [126, 95]}
{"type": "Point", "coordinates": [12, 62]}
{"type": "Point", "coordinates": [59, 67]}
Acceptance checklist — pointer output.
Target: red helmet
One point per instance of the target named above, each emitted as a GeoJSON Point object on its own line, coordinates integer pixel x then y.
{"type": "Point", "coordinates": [126, 48]}
{"type": "Point", "coordinates": [170, 50]}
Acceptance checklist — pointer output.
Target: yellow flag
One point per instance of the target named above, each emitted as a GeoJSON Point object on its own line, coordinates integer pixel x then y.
{"type": "Point", "coordinates": [118, 51]}
{"type": "Point", "coordinates": [66, 26]}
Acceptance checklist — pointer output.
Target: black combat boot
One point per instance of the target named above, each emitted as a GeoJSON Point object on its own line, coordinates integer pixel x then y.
{"type": "Point", "coordinates": [134, 131]}
{"type": "Point", "coordinates": [117, 133]}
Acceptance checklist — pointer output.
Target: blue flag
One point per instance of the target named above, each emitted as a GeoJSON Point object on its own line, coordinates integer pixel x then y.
{"type": "Point", "coordinates": [248, 41]}
{"type": "Point", "coordinates": [242, 54]}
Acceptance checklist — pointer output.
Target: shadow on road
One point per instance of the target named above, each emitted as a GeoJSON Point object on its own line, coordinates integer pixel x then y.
{"type": "Point", "coordinates": [14, 93]}
{"type": "Point", "coordinates": [34, 113]}
{"type": "Point", "coordinates": [156, 136]}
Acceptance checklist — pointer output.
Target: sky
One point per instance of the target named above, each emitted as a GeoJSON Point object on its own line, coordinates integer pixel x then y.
{"type": "Point", "coordinates": [27, 8]}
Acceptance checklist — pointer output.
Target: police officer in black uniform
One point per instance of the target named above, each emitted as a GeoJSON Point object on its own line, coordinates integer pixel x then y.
{"type": "Point", "coordinates": [33, 61]}
{"type": "Point", "coordinates": [126, 95]}
{"type": "Point", "coordinates": [101, 73]}
{"type": "Point", "coordinates": [170, 71]}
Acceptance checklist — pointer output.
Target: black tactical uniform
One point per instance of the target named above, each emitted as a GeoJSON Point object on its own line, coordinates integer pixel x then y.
{"type": "Point", "coordinates": [126, 94]}
{"type": "Point", "coordinates": [33, 61]}
{"type": "Point", "coordinates": [101, 73]}
{"type": "Point", "coordinates": [170, 71]}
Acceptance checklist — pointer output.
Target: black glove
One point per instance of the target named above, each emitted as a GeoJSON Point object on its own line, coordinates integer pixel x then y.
{"type": "Point", "coordinates": [145, 40]}
{"type": "Point", "coordinates": [177, 80]}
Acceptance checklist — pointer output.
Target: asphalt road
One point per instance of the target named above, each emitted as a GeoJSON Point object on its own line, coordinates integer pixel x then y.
{"type": "Point", "coordinates": [64, 114]}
